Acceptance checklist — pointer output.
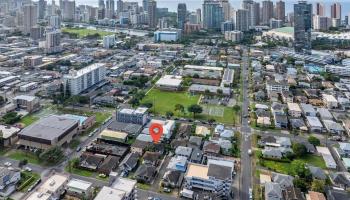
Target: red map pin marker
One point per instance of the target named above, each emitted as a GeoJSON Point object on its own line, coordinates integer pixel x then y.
{"type": "Point", "coordinates": [156, 131]}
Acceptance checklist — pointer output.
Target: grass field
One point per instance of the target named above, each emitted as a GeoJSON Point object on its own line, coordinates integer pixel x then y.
{"type": "Point", "coordinates": [283, 167]}
{"type": "Point", "coordinates": [28, 120]}
{"type": "Point", "coordinates": [21, 155]}
{"type": "Point", "coordinates": [164, 101]}
{"type": "Point", "coordinates": [80, 172]}
{"type": "Point", "coordinates": [83, 32]}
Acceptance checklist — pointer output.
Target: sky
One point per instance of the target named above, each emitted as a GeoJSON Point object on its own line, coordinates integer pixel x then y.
{"type": "Point", "coordinates": [194, 4]}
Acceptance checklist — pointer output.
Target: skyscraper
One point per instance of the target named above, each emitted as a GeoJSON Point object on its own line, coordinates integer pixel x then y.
{"type": "Point", "coordinates": [41, 9]}
{"type": "Point", "coordinates": [267, 12]}
{"type": "Point", "coordinates": [256, 7]}
{"type": "Point", "coordinates": [199, 15]}
{"type": "Point", "coordinates": [302, 27]}
{"type": "Point", "coordinates": [152, 14]}
{"type": "Point", "coordinates": [226, 9]}
{"type": "Point", "coordinates": [110, 9]}
{"type": "Point", "coordinates": [120, 6]}
{"type": "Point", "coordinates": [336, 11]}
{"type": "Point", "coordinates": [181, 15]}
{"type": "Point", "coordinates": [213, 15]}
{"type": "Point", "coordinates": [30, 17]}
{"type": "Point", "coordinates": [53, 41]}
{"type": "Point", "coordinates": [249, 5]}
{"type": "Point", "coordinates": [68, 9]}
{"type": "Point", "coordinates": [319, 9]}
{"type": "Point", "coordinates": [280, 10]}
{"type": "Point", "coordinates": [241, 20]}
{"type": "Point", "coordinates": [145, 5]}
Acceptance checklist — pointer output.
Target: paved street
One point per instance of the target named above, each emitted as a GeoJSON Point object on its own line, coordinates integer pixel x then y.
{"type": "Point", "coordinates": [246, 171]}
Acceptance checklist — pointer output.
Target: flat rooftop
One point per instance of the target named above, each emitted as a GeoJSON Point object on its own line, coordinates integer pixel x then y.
{"type": "Point", "coordinates": [108, 193]}
{"type": "Point", "coordinates": [52, 184]}
{"type": "Point", "coordinates": [79, 184]}
{"type": "Point", "coordinates": [49, 128]}
{"type": "Point", "coordinates": [197, 170]}
{"type": "Point", "coordinates": [77, 73]}
{"type": "Point", "coordinates": [199, 67]}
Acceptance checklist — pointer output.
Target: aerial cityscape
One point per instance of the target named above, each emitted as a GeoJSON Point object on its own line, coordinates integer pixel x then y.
{"type": "Point", "coordinates": [167, 99]}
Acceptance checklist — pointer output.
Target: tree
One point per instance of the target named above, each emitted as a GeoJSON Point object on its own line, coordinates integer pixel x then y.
{"type": "Point", "coordinates": [219, 91]}
{"type": "Point", "coordinates": [298, 168]}
{"type": "Point", "coordinates": [206, 92]}
{"type": "Point", "coordinates": [314, 140]}
{"type": "Point", "coordinates": [300, 183]}
{"type": "Point", "coordinates": [318, 185]}
{"type": "Point", "coordinates": [180, 108]}
{"type": "Point", "coordinates": [169, 114]}
{"type": "Point", "coordinates": [194, 108]}
{"type": "Point", "coordinates": [52, 155]}
{"type": "Point", "coordinates": [299, 149]}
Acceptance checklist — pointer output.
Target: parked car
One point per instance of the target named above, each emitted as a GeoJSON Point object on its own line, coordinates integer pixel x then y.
{"type": "Point", "coordinates": [167, 190]}
{"type": "Point", "coordinates": [7, 164]}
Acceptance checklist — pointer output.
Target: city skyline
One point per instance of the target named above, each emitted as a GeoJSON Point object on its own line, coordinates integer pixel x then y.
{"type": "Point", "coordinates": [192, 5]}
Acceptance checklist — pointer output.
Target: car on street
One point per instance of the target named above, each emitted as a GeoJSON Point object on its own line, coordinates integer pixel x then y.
{"type": "Point", "coordinates": [250, 152]}
{"type": "Point", "coordinates": [28, 169]}
{"type": "Point", "coordinates": [78, 149]}
{"type": "Point", "coordinates": [7, 164]}
{"type": "Point", "coordinates": [250, 193]}
{"type": "Point", "coordinates": [167, 190]}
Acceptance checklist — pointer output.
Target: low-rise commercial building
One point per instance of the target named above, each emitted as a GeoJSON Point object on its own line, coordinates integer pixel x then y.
{"type": "Point", "coordinates": [169, 82]}
{"type": "Point", "coordinates": [29, 103]}
{"type": "Point", "coordinates": [79, 188]}
{"type": "Point", "coordinates": [167, 35]}
{"type": "Point", "coordinates": [49, 131]}
{"type": "Point", "coordinates": [134, 116]}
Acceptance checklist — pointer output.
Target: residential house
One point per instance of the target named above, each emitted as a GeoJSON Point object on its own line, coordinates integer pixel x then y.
{"type": "Point", "coordinates": [172, 179]}
{"type": "Point", "coordinates": [195, 142]}
{"type": "Point", "coordinates": [292, 193]}
{"type": "Point", "coordinates": [8, 180]}
{"type": "Point", "coordinates": [330, 101]}
{"type": "Point", "coordinates": [317, 173]}
{"type": "Point", "coordinates": [314, 124]}
{"type": "Point", "coordinates": [278, 108]}
{"type": "Point", "coordinates": [183, 151]}
{"type": "Point", "coordinates": [196, 156]}
{"type": "Point", "coordinates": [269, 152]}
{"type": "Point", "coordinates": [333, 127]}
{"type": "Point", "coordinates": [130, 162]}
{"type": "Point", "coordinates": [287, 96]}
{"type": "Point", "coordinates": [337, 194]}
{"type": "Point", "coordinates": [294, 110]}
{"type": "Point", "coordinates": [281, 121]}
{"type": "Point", "coordinates": [91, 161]}
{"type": "Point", "coordinates": [344, 148]}
{"type": "Point", "coordinates": [109, 164]}
{"type": "Point", "coordinates": [340, 179]}
{"type": "Point", "coordinates": [324, 114]}
{"type": "Point", "coordinates": [178, 163]}
{"type": "Point", "coordinates": [273, 191]}
{"type": "Point", "coordinates": [274, 86]}
{"type": "Point", "coordinates": [315, 196]}
{"type": "Point", "coordinates": [139, 146]}
{"type": "Point", "coordinates": [211, 148]}
{"type": "Point", "coordinates": [344, 102]}
{"type": "Point", "coordinates": [151, 158]}
{"type": "Point", "coordinates": [284, 142]}
{"type": "Point", "coordinates": [283, 180]}
{"type": "Point", "coordinates": [145, 173]}
{"type": "Point", "coordinates": [298, 124]}
{"type": "Point", "coordinates": [308, 110]}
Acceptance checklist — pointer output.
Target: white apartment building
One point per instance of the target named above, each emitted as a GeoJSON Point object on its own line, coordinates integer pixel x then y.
{"type": "Point", "coordinates": [108, 41]}
{"type": "Point", "coordinates": [234, 36]}
{"type": "Point", "coordinates": [338, 70]}
{"type": "Point", "coordinates": [214, 177]}
{"type": "Point", "coordinates": [79, 80]}
{"type": "Point", "coordinates": [273, 86]}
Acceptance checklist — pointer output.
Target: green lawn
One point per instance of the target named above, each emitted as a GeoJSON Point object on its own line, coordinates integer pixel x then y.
{"type": "Point", "coordinates": [284, 167]}
{"type": "Point", "coordinates": [21, 155]}
{"type": "Point", "coordinates": [314, 160]}
{"type": "Point", "coordinates": [83, 32]}
{"type": "Point", "coordinates": [143, 186]}
{"type": "Point", "coordinates": [229, 116]}
{"type": "Point", "coordinates": [27, 180]}
{"type": "Point", "coordinates": [80, 172]}
{"type": "Point", "coordinates": [28, 120]}
{"type": "Point", "coordinates": [164, 101]}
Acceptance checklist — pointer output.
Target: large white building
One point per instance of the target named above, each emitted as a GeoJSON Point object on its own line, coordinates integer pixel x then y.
{"type": "Point", "coordinates": [108, 41]}
{"type": "Point", "coordinates": [322, 22]}
{"type": "Point", "coordinates": [79, 80]}
{"type": "Point", "coordinates": [338, 70]}
{"type": "Point", "coordinates": [215, 177]}
{"type": "Point", "coordinates": [234, 36]}
{"type": "Point", "coordinates": [167, 35]}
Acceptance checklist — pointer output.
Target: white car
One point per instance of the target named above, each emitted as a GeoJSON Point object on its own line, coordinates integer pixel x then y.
{"type": "Point", "coordinates": [7, 164]}
{"type": "Point", "coordinates": [28, 169]}
{"type": "Point", "coordinates": [250, 193]}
